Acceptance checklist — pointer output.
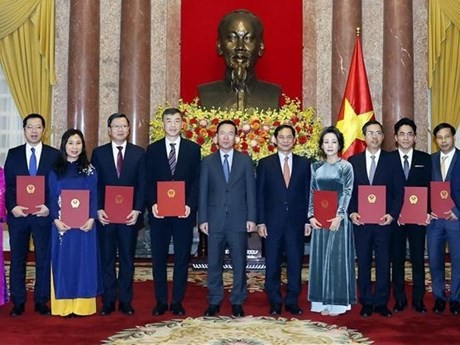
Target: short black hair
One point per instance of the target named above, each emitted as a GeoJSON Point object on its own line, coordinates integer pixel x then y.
{"type": "Point", "coordinates": [116, 116]}
{"type": "Point", "coordinates": [405, 121]}
{"type": "Point", "coordinates": [338, 134]}
{"type": "Point", "coordinates": [283, 126]}
{"type": "Point", "coordinates": [171, 111]}
{"type": "Point", "coordinates": [371, 122]}
{"type": "Point", "coordinates": [33, 116]}
{"type": "Point", "coordinates": [443, 125]}
{"type": "Point", "coordinates": [227, 122]}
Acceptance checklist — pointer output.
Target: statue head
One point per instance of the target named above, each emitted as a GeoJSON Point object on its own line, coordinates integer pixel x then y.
{"type": "Point", "coordinates": [240, 41]}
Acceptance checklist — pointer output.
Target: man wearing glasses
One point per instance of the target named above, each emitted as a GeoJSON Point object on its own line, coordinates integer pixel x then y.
{"type": "Point", "coordinates": [375, 167]}
{"type": "Point", "coordinates": [119, 163]}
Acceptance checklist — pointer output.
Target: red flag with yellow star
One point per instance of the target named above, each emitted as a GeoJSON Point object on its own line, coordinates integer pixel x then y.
{"type": "Point", "coordinates": [356, 107]}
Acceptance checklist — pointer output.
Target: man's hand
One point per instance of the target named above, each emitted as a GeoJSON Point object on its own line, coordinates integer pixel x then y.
{"type": "Point", "coordinates": [18, 211]}
{"type": "Point", "coordinates": [250, 226]}
{"type": "Point", "coordinates": [204, 228]}
{"type": "Point", "coordinates": [102, 217]}
{"type": "Point", "coordinates": [155, 211]}
{"type": "Point", "coordinates": [262, 230]}
{"type": "Point", "coordinates": [386, 220]}
{"type": "Point", "coordinates": [355, 218]}
{"type": "Point", "coordinates": [42, 211]}
{"type": "Point", "coordinates": [132, 217]}
{"type": "Point", "coordinates": [187, 212]}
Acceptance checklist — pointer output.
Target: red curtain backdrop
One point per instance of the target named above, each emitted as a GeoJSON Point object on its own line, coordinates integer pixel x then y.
{"type": "Point", "coordinates": [281, 62]}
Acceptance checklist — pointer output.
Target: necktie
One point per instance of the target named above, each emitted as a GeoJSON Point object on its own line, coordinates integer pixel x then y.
{"type": "Point", "coordinates": [286, 172]}
{"type": "Point", "coordinates": [119, 160]}
{"type": "Point", "coordinates": [33, 163]}
{"type": "Point", "coordinates": [406, 166]}
{"type": "Point", "coordinates": [172, 158]}
{"type": "Point", "coordinates": [226, 168]}
{"type": "Point", "coordinates": [372, 169]}
{"type": "Point", "coordinates": [443, 167]}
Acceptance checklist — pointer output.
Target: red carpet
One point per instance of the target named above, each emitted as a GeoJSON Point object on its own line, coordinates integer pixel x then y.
{"type": "Point", "coordinates": [407, 327]}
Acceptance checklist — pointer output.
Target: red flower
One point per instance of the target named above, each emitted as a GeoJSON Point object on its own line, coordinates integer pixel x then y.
{"type": "Point", "coordinates": [215, 121]}
{"type": "Point", "coordinates": [302, 139]}
{"type": "Point", "coordinates": [237, 122]}
{"type": "Point", "coordinates": [197, 130]}
{"type": "Point", "coordinates": [294, 120]}
{"type": "Point", "coordinates": [193, 121]}
{"type": "Point", "coordinates": [256, 149]}
{"type": "Point", "coordinates": [213, 148]}
{"type": "Point", "coordinates": [276, 123]}
{"type": "Point", "coordinates": [271, 147]}
{"type": "Point", "coordinates": [188, 134]}
{"type": "Point", "coordinates": [200, 140]}
{"type": "Point", "coordinates": [244, 145]}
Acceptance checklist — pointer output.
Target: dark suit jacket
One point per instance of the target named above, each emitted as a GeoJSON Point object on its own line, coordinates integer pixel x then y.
{"type": "Point", "coordinates": [388, 173]}
{"type": "Point", "coordinates": [16, 165]}
{"type": "Point", "coordinates": [272, 194]}
{"type": "Point", "coordinates": [234, 201]}
{"type": "Point", "coordinates": [132, 173]}
{"type": "Point", "coordinates": [187, 169]}
{"type": "Point", "coordinates": [437, 176]}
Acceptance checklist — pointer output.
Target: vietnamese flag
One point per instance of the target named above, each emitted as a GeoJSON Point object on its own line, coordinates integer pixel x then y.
{"type": "Point", "coordinates": [356, 107]}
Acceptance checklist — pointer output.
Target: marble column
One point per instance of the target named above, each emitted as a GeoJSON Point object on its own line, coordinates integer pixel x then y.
{"type": "Point", "coordinates": [134, 89]}
{"type": "Point", "coordinates": [398, 66]}
{"type": "Point", "coordinates": [346, 17]}
{"type": "Point", "coordinates": [83, 69]}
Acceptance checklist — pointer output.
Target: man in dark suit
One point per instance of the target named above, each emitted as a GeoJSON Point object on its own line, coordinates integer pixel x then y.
{"type": "Point", "coordinates": [172, 158]}
{"type": "Point", "coordinates": [282, 206]}
{"type": "Point", "coordinates": [119, 163]}
{"type": "Point", "coordinates": [416, 166]}
{"type": "Point", "coordinates": [375, 167]}
{"type": "Point", "coordinates": [445, 228]}
{"type": "Point", "coordinates": [32, 158]}
{"type": "Point", "coordinates": [226, 212]}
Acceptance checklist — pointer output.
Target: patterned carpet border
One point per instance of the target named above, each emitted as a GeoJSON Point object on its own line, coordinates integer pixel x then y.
{"type": "Point", "coordinates": [237, 331]}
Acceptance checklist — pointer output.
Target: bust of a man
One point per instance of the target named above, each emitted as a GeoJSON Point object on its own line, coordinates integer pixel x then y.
{"type": "Point", "coordinates": [240, 42]}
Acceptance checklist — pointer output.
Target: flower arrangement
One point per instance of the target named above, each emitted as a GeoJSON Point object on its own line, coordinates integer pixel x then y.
{"type": "Point", "coordinates": [256, 127]}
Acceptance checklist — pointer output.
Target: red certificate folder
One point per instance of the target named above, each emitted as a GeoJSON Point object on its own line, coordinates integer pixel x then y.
{"type": "Point", "coordinates": [74, 207]}
{"type": "Point", "coordinates": [441, 200]}
{"type": "Point", "coordinates": [371, 203]}
{"type": "Point", "coordinates": [118, 203]}
{"type": "Point", "coordinates": [30, 192]}
{"type": "Point", "coordinates": [325, 206]}
{"type": "Point", "coordinates": [171, 198]}
{"type": "Point", "coordinates": [415, 206]}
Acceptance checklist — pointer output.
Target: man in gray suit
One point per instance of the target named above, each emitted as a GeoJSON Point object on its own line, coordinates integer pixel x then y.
{"type": "Point", "coordinates": [226, 212]}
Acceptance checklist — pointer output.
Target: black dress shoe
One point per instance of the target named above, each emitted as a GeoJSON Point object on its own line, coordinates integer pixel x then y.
{"type": "Point", "coordinates": [17, 310]}
{"type": "Point", "coordinates": [177, 308]}
{"type": "Point", "coordinates": [366, 310]}
{"type": "Point", "coordinates": [237, 310]}
{"type": "Point", "coordinates": [293, 309]}
{"type": "Point", "coordinates": [126, 308]}
{"type": "Point", "coordinates": [383, 310]}
{"type": "Point", "coordinates": [454, 307]}
{"type": "Point", "coordinates": [275, 309]}
{"type": "Point", "coordinates": [42, 309]}
{"type": "Point", "coordinates": [439, 306]}
{"type": "Point", "coordinates": [160, 309]}
{"type": "Point", "coordinates": [107, 309]}
{"type": "Point", "coordinates": [400, 305]}
{"type": "Point", "coordinates": [212, 310]}
{"type": "Point", "coordinates": [419, 306]}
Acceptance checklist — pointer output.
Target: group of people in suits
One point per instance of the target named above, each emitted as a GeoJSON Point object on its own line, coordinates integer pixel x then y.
{"type": "Point", "coordinates": [228, 199]}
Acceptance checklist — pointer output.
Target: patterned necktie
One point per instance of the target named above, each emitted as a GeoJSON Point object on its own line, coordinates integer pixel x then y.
{"type": "Point", "coordinates": [226, 168]}
{"type": "Point", "coordinates": [372, 169]}
{"type": "Point", "coordinates": [119, 160]}
{"type": "Point", "coordinates": [286, 171]}
{"type": "Point", "coordinates": [443, 167]}
{"type": "Point", "coordinates": [172, 158]}
{"type": "Point", "coordinates": [406, 166]}
{"type": "Point", "coordinates": [33, 163]}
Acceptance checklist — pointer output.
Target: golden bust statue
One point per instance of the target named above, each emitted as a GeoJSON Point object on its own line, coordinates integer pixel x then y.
{"type": "Point", "coordinates": [240, 42]}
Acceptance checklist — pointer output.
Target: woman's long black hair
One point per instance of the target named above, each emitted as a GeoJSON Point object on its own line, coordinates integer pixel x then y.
{"type": "Point", "coordinates": [82, 161]}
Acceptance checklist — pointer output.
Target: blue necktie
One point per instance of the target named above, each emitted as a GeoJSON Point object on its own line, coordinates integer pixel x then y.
{"type": "Point", "coordinates": [226, 168]}
{"type": "Point", "coordinates": [406, 167]}
{"type": "Point", "coordinates": [33, 163]}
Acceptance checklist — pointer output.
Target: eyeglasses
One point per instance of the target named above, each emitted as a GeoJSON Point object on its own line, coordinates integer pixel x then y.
{"type": "Point", "coordinates": [37, 128]}
{"type": "Point", "coordinates": [374, 133]}
{"type": "Point", "coordinates": [120, 126]}
{"type": "Point", "coordinates": [406, 135]}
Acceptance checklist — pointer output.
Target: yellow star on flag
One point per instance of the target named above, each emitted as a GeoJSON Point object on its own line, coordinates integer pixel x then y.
{"type": "Point", "coordinates": [352, 123]}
